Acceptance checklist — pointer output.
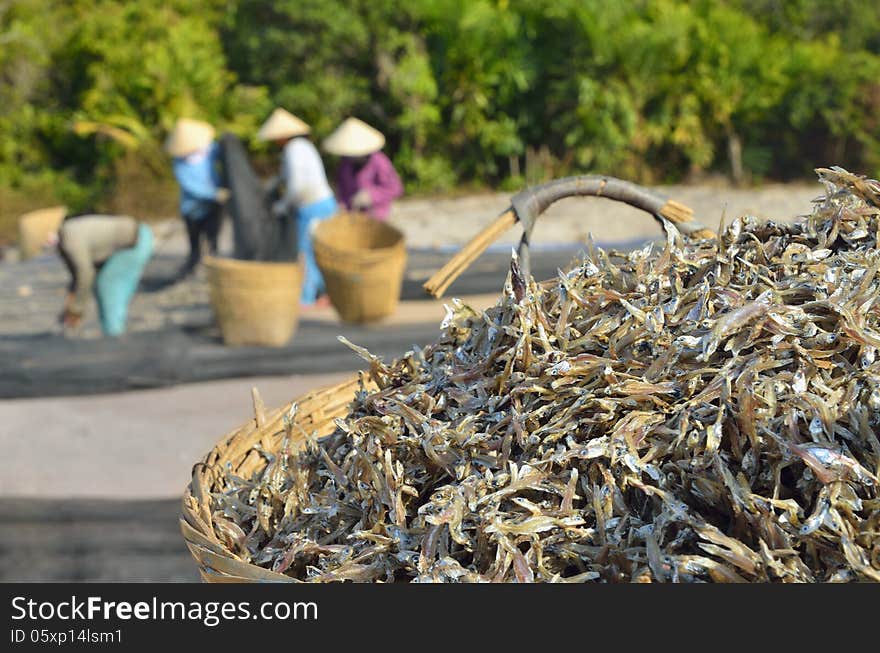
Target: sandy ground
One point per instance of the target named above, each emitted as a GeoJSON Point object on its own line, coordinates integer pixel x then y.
{"type": "Point", "coordinates": [143, 444]}
{"type": "Point", "coordinates": [128, 445]}
{"type": "Point", "coordinates": [444, 222]}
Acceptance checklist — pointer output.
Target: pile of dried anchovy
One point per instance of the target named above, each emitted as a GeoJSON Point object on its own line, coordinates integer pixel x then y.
{"type": "Point", "coordinates": [703, 412]}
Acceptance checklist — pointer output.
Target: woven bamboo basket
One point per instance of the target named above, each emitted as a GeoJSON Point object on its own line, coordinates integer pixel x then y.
{"type": "Point", "coordinates": [362, 261]}
{"type": "Point", "coordinates": [316, 411]}
{"type": "Point", "coordinates": [34, 228]}
{"type": "Point", "coordinates": [236, 453]}
{"type": "Point", "coordinates": [255, 302]}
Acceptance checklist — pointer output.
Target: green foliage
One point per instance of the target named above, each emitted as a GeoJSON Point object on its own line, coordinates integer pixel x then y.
{"type": "Point", "coordinates": [856, 22]}
{"type": "Point", "coordinates": [97, 80]}
{"type": "Point", "coordinates": [492, 92]}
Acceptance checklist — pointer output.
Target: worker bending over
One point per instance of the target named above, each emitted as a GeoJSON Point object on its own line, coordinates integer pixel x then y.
{"type": "Point", "coordinates": [106, 255]}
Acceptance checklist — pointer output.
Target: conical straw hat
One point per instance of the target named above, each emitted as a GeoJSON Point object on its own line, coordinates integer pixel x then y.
{"type": "Point", "coordinates": [35, 228]}
{"type": "Point", "coordinates": [282, 124]}
{"type": "Point", "coordinates": [189, 136]}
{"type": "Point", "coordinates": [354, 138]}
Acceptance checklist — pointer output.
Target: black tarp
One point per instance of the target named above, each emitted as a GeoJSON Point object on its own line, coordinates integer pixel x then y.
{"type": "Point", "coordinates": [49, 365]}
{"type": "Point", "coordinates": [44, 365]}
{"type": "Point", "coordinates": [93, 540]}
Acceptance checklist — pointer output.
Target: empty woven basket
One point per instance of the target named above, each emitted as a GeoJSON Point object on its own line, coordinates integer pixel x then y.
{"type": "Point", "coordinates": [256, 302]}
{"type": "Point", "coordinates": [362, 261]}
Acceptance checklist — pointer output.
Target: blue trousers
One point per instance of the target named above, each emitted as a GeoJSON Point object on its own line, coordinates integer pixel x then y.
{"type": "Point", "coordinates": [118, 280]}
{"type": "Point", "coordinates": [307, 218]}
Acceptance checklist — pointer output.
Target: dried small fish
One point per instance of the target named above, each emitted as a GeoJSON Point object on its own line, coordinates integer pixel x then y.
{"type": "Point", "coordinates": [707, 412]}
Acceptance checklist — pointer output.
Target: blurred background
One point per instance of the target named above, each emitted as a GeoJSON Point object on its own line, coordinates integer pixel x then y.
{"type": "Point", "coordinates": [727, 106]}
{"type": "Point", "coordinates": [470, 93]}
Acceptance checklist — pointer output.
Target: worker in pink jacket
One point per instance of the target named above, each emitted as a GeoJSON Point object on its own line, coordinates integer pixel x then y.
{"type": "Point", "coordinates": [366, 179]}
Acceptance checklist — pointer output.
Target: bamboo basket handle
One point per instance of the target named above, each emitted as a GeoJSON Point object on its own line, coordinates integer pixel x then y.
{"type": "Point", "coordinates": [528, 204]}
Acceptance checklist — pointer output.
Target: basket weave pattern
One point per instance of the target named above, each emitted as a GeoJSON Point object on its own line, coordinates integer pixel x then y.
{"type": "Point", "coordinates": [256, 303]}
{"type": "Point", "coordinates": [236, 452]}
{"type": "Point", "coordinates": [362, 261]}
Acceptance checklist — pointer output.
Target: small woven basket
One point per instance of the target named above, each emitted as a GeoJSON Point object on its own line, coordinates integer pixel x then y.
{"type": "Point", "coordinates": [34, 229]}
{"type": "Point", "coordinates": [236, 453]}
{"type": "Point", "coordinates": [255, 302]}
{"type": "Point", "coordinates": [362, 261]}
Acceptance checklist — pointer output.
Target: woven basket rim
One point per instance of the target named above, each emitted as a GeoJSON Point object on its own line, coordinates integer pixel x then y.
{"type": "Point", "coordinates": [44, 213]}
{"type": "Point", "coordinates": [229, 263]}
{"type": "Point", "coordinates": [322, 240]}
{"type": "Point", "coordinates": [216, 562]}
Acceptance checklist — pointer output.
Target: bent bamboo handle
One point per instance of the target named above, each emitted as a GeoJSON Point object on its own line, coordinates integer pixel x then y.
{"type": "Point", "coordinates": [532, 202]}
{"type": "Point", "coordinates": [441, 279]}
{"type": "Point", "coordinates": [528, 204]}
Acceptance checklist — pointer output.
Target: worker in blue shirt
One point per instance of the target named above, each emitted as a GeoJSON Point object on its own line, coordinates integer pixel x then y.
{"type": "Point", "coordinates": [196, 164]}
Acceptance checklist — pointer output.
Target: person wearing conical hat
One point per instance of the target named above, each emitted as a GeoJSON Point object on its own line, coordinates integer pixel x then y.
{"type": "Point", "coordinates": [366, 180]}
{"type": "Point", "coordinates": [196, 162]}
{"type": "Point", "coordinates": [106, 256]}
{"type": "Point", "coordinates": [307, 198]}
